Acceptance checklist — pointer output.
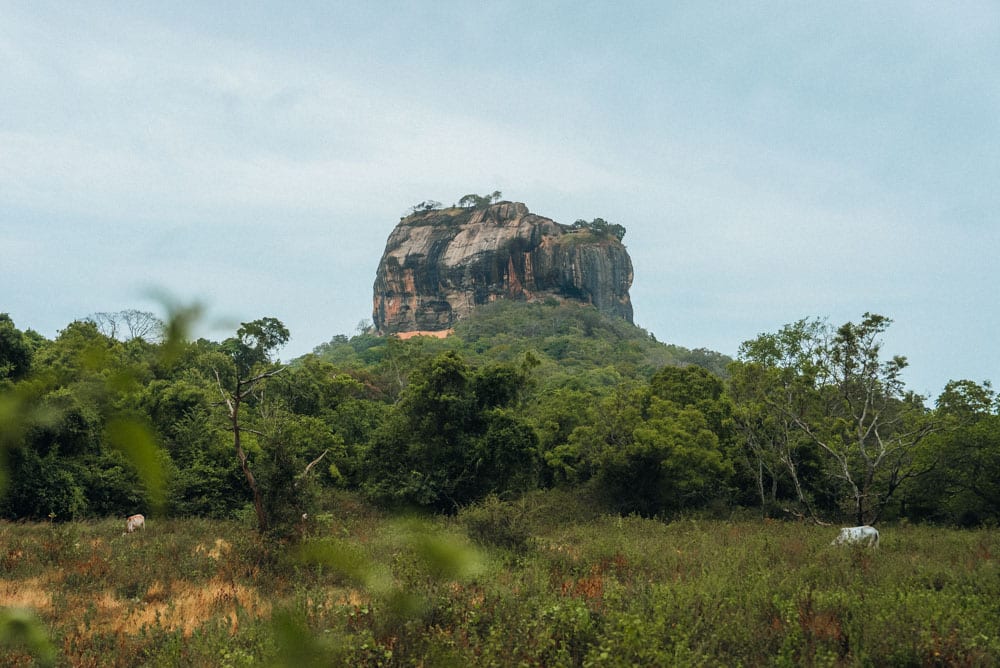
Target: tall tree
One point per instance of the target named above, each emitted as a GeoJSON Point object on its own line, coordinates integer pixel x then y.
{"type": "Point", "coordinates": [128, 324]}
{"type": "Point", "coordinates": [656, 448]}
{"type": "Point", "coordinates": [15, 350]}
{"type": "Point", "coordinates": [876, 424]}
{"type": "Point", "coordinates": [251, 352]}
{"type": "Point", "coordinates": [851, 403]}
{"type": "Point", "coordinates": [452, 437]}
{"type": "Point", "coordinates": [772, 374]}
{"type": "Point", "coordinates": [964, 488]}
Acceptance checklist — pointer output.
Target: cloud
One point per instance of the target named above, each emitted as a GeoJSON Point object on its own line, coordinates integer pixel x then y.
{"type": "Point", "coordinates": [160, 121]}
{"type": "Point", "coordinates": [768, 166]}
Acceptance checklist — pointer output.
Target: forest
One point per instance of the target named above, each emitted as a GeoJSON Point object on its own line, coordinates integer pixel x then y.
{"type": "Point", "coordinates": [121, 414]}
{"type": "Point", "coordinates": [546, 486]}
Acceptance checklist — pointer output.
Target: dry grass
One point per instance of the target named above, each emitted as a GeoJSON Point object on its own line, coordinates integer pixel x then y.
{"type": "Point", "coordinates": [605, 591]}
{"type": "Point", "coordinates": [183, 605]}
{"type": "Point", "coordinates": [31, 593]}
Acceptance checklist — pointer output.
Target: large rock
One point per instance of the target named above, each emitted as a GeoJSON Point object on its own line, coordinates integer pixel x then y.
{"type": "Point", "coordinates": [439, 265]}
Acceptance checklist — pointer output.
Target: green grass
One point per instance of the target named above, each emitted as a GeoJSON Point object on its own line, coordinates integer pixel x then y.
{"type": "Point", "coordinates": [371, 590]}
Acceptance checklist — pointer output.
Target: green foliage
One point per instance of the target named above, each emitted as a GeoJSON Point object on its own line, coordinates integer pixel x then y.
{"type": "Point", "coordinates": [15, 350]}
{"type": "Point", "coordinates": [204, 479]}
{"type": "Point", "coordinates": [288, 471]}
{"type": "Point", "coordinates": [653, 449]}
{"type": "Point", "coordinates": [20, 630]}
{"type": "Point", "coordinates": [583, 589]}
{"type": "Point", "coordinates": [474, 201]}
{"type": "Point", "coordinates": [496, 523]}
{"type": "Point", "coordinates": [450, 440]}
{"type": "Point", "coordinates": [255, 343]}
{"type": "Point", "coordinates": [834, 389]}
{"type": "Point", "coordinates": [963, 485]}
{"type": "Point", "coordinates": [523, 396]}
{"type": "Point", "coordinates": [245, 375]}
{"type": "Point", "coordinates": [600, 228]}
{"type": "Point", "coordinates": [44, 486]}
{"type": "Point", "coordinates": [112, 487]}
{"type": "Point", "coordinates": [76, 435]}
{"type": "Point", "coordinates": [426, 205]}
{"type": "Point", "coordinates": [660, 457]}
{"type": "Point", "coordinates": [138, 443]}
{"type": "Point", "coordinates": [965, 401]}
{"type": "Point", "coordinates": [570, 340]}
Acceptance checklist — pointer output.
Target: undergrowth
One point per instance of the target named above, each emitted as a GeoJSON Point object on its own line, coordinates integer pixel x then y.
{"type": "Point", "coordinates": [538, 581]}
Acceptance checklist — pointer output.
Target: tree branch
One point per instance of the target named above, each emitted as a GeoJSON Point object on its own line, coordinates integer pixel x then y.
{"type": "Point", "coordinates": [313, 463]}
{"type": "Point", "coordinates": [225, 397]}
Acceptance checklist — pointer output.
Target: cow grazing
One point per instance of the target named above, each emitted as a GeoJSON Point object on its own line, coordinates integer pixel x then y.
{"type": "Point", "coordinates": [864, 535]}
{"type": "Point", "coordinates": [134, 522]}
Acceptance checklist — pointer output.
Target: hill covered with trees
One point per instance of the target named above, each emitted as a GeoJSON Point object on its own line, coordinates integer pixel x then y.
{"type": "Point", "coordinates": [811, 421]}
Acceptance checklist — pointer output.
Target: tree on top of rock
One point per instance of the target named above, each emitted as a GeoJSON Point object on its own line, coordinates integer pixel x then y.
{"type": "Point", "coordinates": [600, 227]}
{"type": "Point", "coordinates": [473, 201]}
{"type": "Point", "coordinates": [426, 205]}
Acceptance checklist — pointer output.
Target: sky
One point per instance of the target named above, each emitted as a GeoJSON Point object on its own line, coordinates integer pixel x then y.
{"type": "Point", "coordinates": [771, 161]}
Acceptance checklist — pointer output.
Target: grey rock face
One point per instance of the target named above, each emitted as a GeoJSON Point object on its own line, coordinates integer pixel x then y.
{"type": "Point", "coordinates": [439, 265]}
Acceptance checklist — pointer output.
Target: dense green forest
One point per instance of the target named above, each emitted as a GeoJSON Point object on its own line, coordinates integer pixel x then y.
{"type": "Point", "coordinates": [121, 413]}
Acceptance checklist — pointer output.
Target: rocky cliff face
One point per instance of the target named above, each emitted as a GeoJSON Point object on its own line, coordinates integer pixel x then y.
{"type": "Point", "coordinates": [439, 265]}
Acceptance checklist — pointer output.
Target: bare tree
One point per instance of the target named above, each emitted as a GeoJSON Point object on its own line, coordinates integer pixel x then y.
{"type": "Point", "coordinates": [106, 323]}
{"type": "Point", "coordinates": [128, 325]}
{"type": "Point", "coordinates": [142, 325]}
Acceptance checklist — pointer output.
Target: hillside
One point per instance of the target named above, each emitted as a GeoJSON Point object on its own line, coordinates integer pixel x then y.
{"type": "Point", "coordinates": [567, 338]}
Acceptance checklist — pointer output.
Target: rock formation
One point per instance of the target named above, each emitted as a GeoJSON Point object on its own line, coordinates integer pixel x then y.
{"type": "Point", "coordinates": [440, 264]}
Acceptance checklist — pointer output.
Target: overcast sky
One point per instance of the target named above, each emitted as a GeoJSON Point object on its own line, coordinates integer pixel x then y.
{"type": "Point", "coordinates": [771, 161]}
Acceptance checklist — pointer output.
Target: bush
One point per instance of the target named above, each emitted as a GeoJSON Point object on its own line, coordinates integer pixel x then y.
{"type": "Point", "coordinates": [497, 523]}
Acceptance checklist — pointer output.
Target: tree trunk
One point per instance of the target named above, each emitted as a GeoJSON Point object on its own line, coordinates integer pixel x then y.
{"type": "Point", "coordinates": [258, 502]}
{"type": "Point", "coordinates": [760, 487]}
{"type": "Point", "coordinates": [233, 402]}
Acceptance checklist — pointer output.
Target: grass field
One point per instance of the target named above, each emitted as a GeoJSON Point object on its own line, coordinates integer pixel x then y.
{"type": "Point", "coordinates": [534, 583]}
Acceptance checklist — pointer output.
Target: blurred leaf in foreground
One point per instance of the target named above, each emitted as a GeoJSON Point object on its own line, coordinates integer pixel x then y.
{"type": "Point", "coordinates": [20, 629]}
{"type": "Point", "coordinates": [137, 442]}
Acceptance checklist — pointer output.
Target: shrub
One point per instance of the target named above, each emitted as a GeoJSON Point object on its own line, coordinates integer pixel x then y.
{"type": "Point", "coordinates": [497, 523]}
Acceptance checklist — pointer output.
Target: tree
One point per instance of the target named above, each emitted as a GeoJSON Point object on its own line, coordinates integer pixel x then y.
{"type": "Point", "coordinates": [77, 439]}
{"type": "Point", "coordinates": [452, 439]}
{"type": "Point", "coordinates": [877, 425]}
{"type": "Point", "coordinates": [773, 370]}
{"type": "Point", "coordinates": [834, 387]}
{"type": "Point", "coordinates": [473, 201]}
{"type": "Point", "coordinates": [15, 350]}
{"type": "Point", "coordinates": [965, 401]}
{"type": "Point", "coordinates": [426, 205]}
{"type": "Point", "coordinates": [964, 485]}
{"type": "Point", "coordinates": [293, 446]}
{"type": "Point", "coordinates": [128, 325]}
{"type": "Point", "coordinates": [203, 480]}
{"type": "Point", "coordinates": [251, 353]}
{"type": "Point", "coordinates": [658, 448]}
{"type": "Point", "coordinates": [600, 228]}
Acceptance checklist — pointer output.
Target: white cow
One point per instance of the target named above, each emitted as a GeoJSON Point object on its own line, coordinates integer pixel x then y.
{"type": "Point", "coordinates": [864, 535]}
{"type": "Point", "coordinates": [134, 522]}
